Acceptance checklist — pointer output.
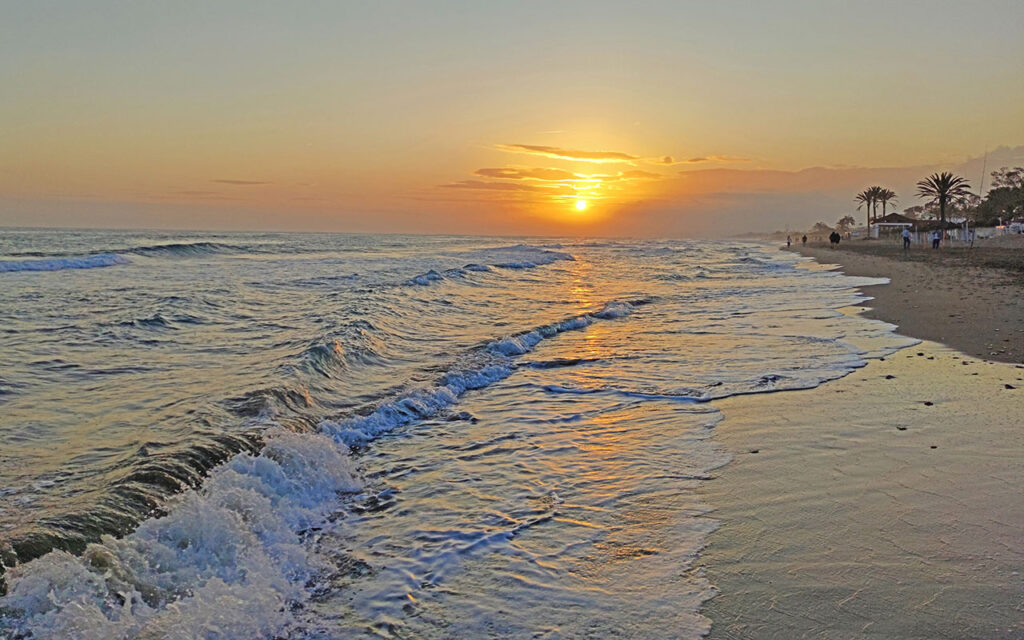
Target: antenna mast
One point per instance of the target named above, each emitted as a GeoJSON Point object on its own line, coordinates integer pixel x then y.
{"type": "Point", "coordinates": [981, 184]}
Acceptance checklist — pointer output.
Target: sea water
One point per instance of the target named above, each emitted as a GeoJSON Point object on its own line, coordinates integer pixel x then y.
{"type": "Point", "coordinates": [320, 436]}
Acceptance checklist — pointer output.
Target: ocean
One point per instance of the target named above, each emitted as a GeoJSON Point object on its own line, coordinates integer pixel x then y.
{"type": "Point", "coordinates": [311, 436]}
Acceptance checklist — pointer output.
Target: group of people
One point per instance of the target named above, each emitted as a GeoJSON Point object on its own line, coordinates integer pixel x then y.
{"type": "Point", "coordinates": [936, 238]}
{"type": "Point", "coordinates": [834, 238]}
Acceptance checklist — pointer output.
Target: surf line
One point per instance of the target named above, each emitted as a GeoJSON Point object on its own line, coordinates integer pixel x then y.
{"type": "Point", "coordinates": [494, 363]}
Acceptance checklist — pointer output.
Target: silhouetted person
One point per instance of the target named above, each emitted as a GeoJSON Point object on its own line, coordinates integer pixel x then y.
{"type": "Point", "coordinates": [804, 240]}
{"type": "Point", "coordinates": [789, 241]}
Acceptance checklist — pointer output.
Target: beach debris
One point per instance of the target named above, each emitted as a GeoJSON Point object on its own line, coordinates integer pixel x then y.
{"type": "Point", "coordinates": [899, 428]}
{"type": "Point", "coordinates": [920, 353]}
{"type": "Point", "coordinates": [928, 403]}
{"type": "Point", "coordinates": [934, 446]}
{"type": "Point", "coordinates": [1010, 386]}
{"type": "Point", "coordinates": [755, 451]}
{"type": "Point", "coordinates": [889, 377]}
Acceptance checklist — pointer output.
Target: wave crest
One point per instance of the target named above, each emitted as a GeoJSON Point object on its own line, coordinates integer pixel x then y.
{"type": "Point", "coordinates": [494, 363]}
{"type": "Point", "coordinates": [60, 264]}
{"type": "Point", "coordinates": [238, 539]}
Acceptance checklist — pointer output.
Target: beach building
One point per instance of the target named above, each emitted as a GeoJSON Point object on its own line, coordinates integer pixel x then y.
{"type": "Point", "coordinates": [892, 226]}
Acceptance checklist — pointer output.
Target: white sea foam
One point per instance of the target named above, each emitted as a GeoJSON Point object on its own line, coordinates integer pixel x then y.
{"type": "Point", "coordinates": [428, 402]}
{"type": "Point", "coordinates": [521, 256]}
{"type": "Point", "coordinates": [614, 309]}
{"type": "Point", "coordinates": [225, 562]}
{"type": "Point", "coordinates": [524, 253]}
{"type": "Point", "coordinates": [59, 264]}
{"type": "Point", "coordinates": [414, 406]}
{"type": "Point", "coordinates": [426, 278]}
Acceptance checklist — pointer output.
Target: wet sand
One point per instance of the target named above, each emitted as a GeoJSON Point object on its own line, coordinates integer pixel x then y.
{"type": "Point", "coordinates": [887, 504]}
{"type": "Point", "coordinates": [970, 299]}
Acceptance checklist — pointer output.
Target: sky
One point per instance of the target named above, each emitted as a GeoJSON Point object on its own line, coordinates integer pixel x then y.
{"type": "Point", "coordinates": [515, 118]}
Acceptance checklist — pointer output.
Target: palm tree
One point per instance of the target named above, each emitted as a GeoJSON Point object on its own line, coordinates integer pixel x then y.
{"type": "Point", "coordinates": [876, 197]}
{"type": "Point", "coordinates": [866, 198]}
{"type": "Point", "coordinates": [870, 198]}
{"type": "Point", "coordinates": [943, 188]}
{"type": "Point", "coordinates": [884, 196]}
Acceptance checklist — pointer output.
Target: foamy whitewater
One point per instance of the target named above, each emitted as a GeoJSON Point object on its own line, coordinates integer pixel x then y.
{"type": "Point", "coordinates": [326, 436]}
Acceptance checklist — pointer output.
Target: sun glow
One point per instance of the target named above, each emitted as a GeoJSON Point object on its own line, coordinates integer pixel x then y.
{"type": "Point", "coordinates": [581, 205]}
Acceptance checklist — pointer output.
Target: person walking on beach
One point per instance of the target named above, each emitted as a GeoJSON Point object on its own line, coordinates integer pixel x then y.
{"type": "Point", "coordinates": [906, 238]}
{"type": "Point", "coordinates": [789, 241]}
{"type": "Point", "coordinates": [804, 240]}
{"type": "Point", "coordinates": [936, 239]}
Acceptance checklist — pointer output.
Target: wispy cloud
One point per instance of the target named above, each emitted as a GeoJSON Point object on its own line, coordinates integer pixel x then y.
{"type": "Point", "coordinates": [638, 174]}
{"type": "Point", "coordinates": [240, 182]}
{"type": "Point", "coordinates": [561, 175]}
{"type": "Point", "coordinates": [568, 154]}
{"type": "Point", "coordinates": [633, 174]}
{"type": "Point", "coordinates": [503, 186]}
{"type": "Point", "coordinates": [510, 173]}
{"type": "Point", "coordinates": [714, 158]}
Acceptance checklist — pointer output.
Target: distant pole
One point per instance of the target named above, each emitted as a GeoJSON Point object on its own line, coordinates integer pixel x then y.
{"type": "Point", "coordinates": [981, 183]}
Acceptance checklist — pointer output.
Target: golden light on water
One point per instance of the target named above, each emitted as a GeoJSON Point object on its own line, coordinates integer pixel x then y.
{"type": "Point", "coordinates": [581, 205]}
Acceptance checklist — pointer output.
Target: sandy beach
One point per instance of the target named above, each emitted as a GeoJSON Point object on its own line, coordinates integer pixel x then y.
{"type": "Point", "coordinates": [886, 504]}
{"type": "Point", "coordinates": [970, 299]}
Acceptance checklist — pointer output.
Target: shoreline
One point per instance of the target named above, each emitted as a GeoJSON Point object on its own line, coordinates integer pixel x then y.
{"type": "Point", "coordinates": [883, 504]}
{"type": "Point", "coordinates": [972, 302]}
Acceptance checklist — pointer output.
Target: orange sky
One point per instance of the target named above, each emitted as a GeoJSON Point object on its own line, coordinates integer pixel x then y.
{"type": "Point", "coordinates": [666, 118]}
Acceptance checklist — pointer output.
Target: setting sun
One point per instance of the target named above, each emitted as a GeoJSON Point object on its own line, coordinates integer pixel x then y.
{"type": "Point", "coordinates": [581, 205]}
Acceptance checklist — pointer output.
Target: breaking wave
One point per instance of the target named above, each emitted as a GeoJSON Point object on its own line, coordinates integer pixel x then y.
{"type": "Point", "coordinates": [519, 256]}
{"type": "Point", "coordinates": [59, 264]}
{"type": "Point", "coordinates": [489, 364]}
{"type": "Point", "coordinates": [242, 536]}
{"type": "Point", "coordinates": [239, 539]}
{"type": "Point", "coordinates": [58, 261]}
{"type": "Point", "coordinates": [188, 249]}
